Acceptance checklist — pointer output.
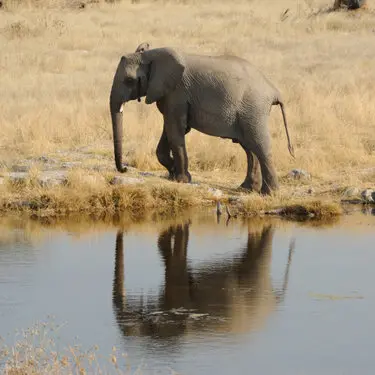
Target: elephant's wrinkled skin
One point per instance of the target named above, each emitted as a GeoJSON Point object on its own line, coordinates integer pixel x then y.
{"type": "Point", "coordinates": [236, 295]}
{"type": "Point", "coordinates": [223, 96]}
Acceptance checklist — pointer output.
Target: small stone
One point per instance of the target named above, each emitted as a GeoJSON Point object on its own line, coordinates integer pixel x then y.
{"type": "Point", "coordinates": [311, 191]}
{"type": "Point", "coordinates": [351, 192]}
{"type": "Point", "coordinates": [122, 180]}
{"type": "Point", "coordinates": [17, 177]}
{"type": "Point", "coordinates": [299, 174]}
{"type": "Point", "coordinates": [368, 195]}
{"type": "Point", "coordinates": [53, 178]}
{"type": "Point", "coordinates": [20, 168]}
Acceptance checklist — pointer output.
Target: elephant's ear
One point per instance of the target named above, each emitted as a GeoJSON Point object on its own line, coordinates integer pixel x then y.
{"type": "Point", "coordinates": [166, 70]}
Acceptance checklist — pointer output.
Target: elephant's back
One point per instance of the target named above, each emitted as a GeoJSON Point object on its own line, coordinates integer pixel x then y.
{"type": "Point", "coordinates": [236, 74]}
{"type": "Point", "coordinates": [230, 67]}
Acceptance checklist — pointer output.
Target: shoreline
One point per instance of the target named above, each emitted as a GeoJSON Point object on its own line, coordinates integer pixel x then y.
{"type": "Point", "coordinates": [67, 188]}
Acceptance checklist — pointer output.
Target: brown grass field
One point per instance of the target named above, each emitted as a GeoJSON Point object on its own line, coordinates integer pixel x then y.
{"type": "Point", "coordinates": [57, 62]}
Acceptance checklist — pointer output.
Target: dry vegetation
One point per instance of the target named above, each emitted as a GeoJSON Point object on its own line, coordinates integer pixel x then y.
{"type": "Point", "coordinates": [58, 59]}
{"type": "Point", "coordinates": [36, 352]}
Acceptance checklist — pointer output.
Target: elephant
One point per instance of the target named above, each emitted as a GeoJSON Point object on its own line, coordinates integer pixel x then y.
{"type": "Point", "coordinates": [234, 295]}
{"type": "Point", "coordinates": [222, 96]}
{"type": "Point", "coordinates": [350, 4]}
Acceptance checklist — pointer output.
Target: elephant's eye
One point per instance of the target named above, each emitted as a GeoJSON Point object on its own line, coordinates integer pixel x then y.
{"type": "Point", "coordinates": [128, 81]}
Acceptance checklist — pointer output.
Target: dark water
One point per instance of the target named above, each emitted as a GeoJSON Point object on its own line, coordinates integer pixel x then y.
{"type": "Point", "coordinates": [198, 297]}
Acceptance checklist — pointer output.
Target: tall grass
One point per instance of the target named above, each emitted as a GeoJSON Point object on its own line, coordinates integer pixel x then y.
{"type": "Point", "coordinates": [57, 64]}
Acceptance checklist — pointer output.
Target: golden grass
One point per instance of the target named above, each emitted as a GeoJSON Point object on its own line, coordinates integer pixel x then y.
{"type": "Point", "coordinates": [36, 351]}
{"type": "Point", "coordinates": [92, 194]}
{"type": "Point", "coordinates": [57, 64]}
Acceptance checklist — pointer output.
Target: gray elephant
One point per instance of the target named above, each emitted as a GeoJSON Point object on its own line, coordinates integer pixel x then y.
{"type": "Point", "coordinates": [222, 96]}
{"type": "Point", "coordinates": [234, 294]}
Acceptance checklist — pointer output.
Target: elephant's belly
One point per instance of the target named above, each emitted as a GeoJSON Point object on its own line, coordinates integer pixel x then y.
{"type": "Point", "coordinates": [218, 124]}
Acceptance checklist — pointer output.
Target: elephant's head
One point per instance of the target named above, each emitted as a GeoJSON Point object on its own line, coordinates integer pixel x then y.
{"type": "Point", "coordinates": [146, 72]}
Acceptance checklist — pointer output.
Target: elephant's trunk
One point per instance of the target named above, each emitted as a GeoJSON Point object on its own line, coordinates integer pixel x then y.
{"type": "Point", "coordinates": [116, 114]}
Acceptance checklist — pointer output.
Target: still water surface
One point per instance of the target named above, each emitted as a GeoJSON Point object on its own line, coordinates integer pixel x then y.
{"type": "Point", "coordinates": [200, 297]}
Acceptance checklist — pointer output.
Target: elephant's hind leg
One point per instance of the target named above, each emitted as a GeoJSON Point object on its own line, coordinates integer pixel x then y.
{"type": "Point", "coordinates": [253, 180]}
{"type": "Point", "coordinates": [269, 177]}
{"type": "Point", "coordinates": [257, 139]}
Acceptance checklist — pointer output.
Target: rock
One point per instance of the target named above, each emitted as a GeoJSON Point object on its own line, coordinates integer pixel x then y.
{"type": "Point", "coordinates": [351, 192]}
{"type": "Point", "coordinates": [368, 195]}
{"type": "Point", "coordinates": [17, 177]}
{"type": "Point", "coordinates": [20, 168]}
{"type": "Point", "coordinates": [122, 180]}
{"type": "Point", "coordinates": [310, 191]}
{"type": "Point", "coordinates": [299, 174]}
{"type": "Point", "coordinates": [52, 178]}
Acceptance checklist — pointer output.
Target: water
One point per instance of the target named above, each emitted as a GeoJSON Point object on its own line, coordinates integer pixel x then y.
{"type": "Point", "coordinates": [196, 296]}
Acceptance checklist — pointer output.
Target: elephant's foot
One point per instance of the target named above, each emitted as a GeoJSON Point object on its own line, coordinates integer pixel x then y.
{"type": "Point", "coordinates": [185, 178]}
{"type": "Point", "coordinates": [179, 177]}
{"type": "Point", "coordinates": [172, 175]}
{"type": "Point", "coordinates": [251, 186]}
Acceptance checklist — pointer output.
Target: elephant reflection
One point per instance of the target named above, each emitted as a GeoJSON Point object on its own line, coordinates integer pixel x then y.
{"type": "Point", "coordinates": [234, 295]}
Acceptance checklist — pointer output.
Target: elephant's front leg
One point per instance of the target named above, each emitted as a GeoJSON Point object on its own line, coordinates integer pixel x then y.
{"type": "Point", "coordinates": [175, 126]}
{"type": "Point", "coordinates": [163, 153]}
{"type": "Point", "coordinates": [181, 162]}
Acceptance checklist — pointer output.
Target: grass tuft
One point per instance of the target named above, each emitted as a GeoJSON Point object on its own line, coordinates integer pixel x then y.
{"type": "Point", "coordinates": [37, 351]}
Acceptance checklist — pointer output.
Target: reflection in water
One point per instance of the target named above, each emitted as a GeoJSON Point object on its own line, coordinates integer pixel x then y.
{"type": "Point", "coordinates": [234, 295]}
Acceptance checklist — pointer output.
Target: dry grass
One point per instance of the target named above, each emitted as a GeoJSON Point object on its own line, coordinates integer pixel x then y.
{"type": "Point", "coordinates": [57, 64]}
{"type": "Point", "coordinates": [36, 351]}
{"type": "Point", "coordinates": [94, 195]}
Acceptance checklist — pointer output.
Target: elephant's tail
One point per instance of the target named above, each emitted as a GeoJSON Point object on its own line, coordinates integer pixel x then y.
{"type": "Point", "coordinates": [281, 104]}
